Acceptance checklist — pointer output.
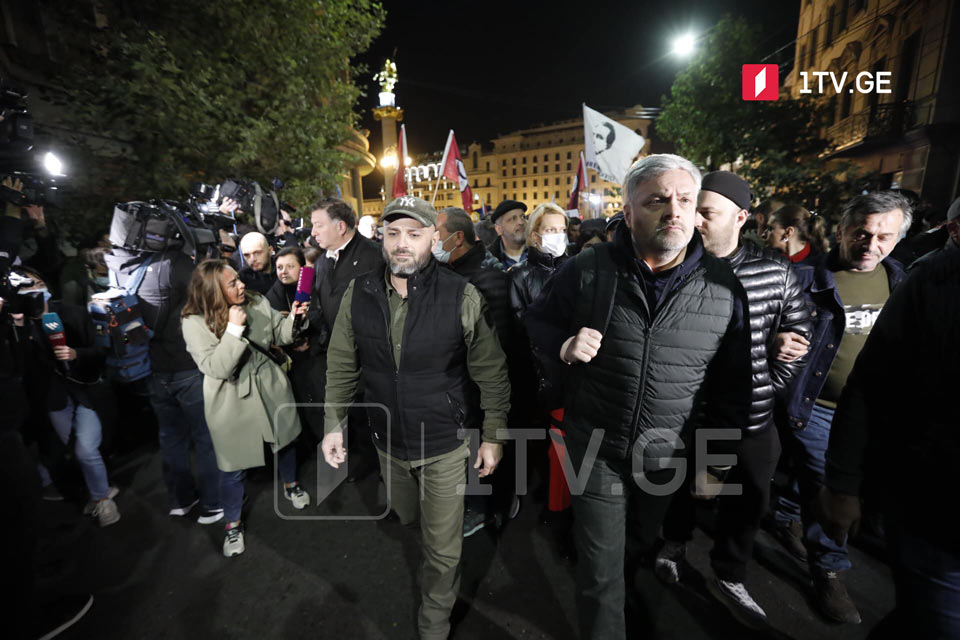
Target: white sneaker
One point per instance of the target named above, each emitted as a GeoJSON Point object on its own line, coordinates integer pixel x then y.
{"type": "Point", "coordinates": [106, 512]}
{"type": "Point", "coordinates": [297, 496]}
{"type": "Point", "coordinates": [734, 596]}
{"type": "Point", "coordinates": [92, 504]}
{"type": "Point", "coordinates": [233, 541]}
{"type": "Point", "coordinates": [182, 511]}
{"type": "Point", "coordinates": [210, 516]}
{"type": "Point", "coordinates": [666, 565]}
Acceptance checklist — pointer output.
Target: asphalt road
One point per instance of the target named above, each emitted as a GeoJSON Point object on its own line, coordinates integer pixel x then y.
{"type": "Point", "coordinates": [154, 576]}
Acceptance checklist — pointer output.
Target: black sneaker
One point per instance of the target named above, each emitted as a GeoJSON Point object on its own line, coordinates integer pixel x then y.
{"type": "Point", "coordinates": [209, 516]}
{"type": "Point", "coordinates": [473, 521]}
{"type": "Point", "coordinates": [832, 598]}
{"type": "Point", "coordinates": [62, 614]}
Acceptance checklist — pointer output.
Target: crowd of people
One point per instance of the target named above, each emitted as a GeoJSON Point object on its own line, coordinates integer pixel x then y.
{"type": "Point", "coordinates": [691, 348]}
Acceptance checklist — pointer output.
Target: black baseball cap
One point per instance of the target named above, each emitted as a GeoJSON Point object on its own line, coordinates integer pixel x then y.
{"type": "Point", "coordinates": [506, 206]}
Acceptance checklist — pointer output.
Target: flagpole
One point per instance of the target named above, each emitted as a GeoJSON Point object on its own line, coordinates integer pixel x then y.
{"type": "Point", "coordinates": [443, 163]}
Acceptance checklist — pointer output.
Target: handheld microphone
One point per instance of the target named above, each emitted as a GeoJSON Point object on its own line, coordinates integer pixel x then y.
{"type": "Point", "coordinates": [53, 327]}
{"type": "Point", "coordinates": [304, 289]}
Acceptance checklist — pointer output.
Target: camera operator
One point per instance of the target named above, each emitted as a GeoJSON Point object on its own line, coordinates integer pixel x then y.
{"type": "Point", "coordinates": [68, 378]}
{"type": "Point", "coordinates": [257, 272]}
{"type": "Point", "coordinates": [286, 234]}
{"type": "Point", "coordinates": [38, 244]}
{"type": "Point", "coordinates": [175, 386]}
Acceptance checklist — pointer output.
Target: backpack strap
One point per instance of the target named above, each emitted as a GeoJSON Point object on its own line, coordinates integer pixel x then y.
{"type": "Point", "coordinates": [136, 278]}
{"type": "Point", "coordinates": [597, 283]}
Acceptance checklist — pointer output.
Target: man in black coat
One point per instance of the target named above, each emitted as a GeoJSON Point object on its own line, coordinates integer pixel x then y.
{"type": "Point", "coordinates": [776, 303]}
{"type": "Point", "coordinates": [346, 255]}
{"type": "Point", "coordinates": [895, 436]}
{"type": "Point", "coordinates": [257, 271]}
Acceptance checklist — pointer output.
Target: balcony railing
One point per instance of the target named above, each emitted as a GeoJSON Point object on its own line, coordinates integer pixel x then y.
{"type": "Point", "coordinates": [886, 121]}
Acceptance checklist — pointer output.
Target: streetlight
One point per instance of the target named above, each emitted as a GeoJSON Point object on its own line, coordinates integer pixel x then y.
{"type": "Point", "coordinates": [684, 45]}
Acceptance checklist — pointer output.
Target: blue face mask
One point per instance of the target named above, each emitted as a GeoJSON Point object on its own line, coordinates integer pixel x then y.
{"type": "Point", "coordinates": [439, 253]}
{"type": "Point", "coordinates": [46, 295]}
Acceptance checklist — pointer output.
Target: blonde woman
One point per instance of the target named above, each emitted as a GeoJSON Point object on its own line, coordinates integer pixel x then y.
{"type": "Point", "coordinates": [229, 332]}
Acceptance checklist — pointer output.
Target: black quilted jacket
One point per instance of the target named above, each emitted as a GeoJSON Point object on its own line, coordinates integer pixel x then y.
{"type": "Point", "coordinates": [776, 305]}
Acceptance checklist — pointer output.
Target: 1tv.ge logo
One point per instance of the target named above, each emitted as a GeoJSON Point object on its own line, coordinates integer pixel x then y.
{"type": "Point", "coordinates": [760, 81]}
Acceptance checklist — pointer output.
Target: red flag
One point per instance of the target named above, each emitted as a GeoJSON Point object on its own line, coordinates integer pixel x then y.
{"type": "Point", "coordinates": [451, 168]}
{"type": "Point", "coordinates": [399, 178]}
{"type": "Point", "coordinates": [579, 182]}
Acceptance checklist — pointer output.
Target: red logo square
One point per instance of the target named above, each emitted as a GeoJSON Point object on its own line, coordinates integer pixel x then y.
{"type": "Point", "coordinates": [761, 82]}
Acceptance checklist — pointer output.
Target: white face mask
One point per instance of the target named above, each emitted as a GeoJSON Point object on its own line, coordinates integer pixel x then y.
{"type": "Point", "coordinates": [554, 243]}
{"type": "Point", "coordinates": [439, 253]}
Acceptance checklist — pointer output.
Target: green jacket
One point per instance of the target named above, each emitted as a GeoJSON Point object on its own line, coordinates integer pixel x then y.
{"type": "Point", "coordinates": [245, 408]}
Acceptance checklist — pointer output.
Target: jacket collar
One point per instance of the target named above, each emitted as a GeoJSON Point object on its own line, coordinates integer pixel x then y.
{"type": "Point", "coordinates": [623, 245]}
{"type": "Point", "coordinates": [825, 264]}
{"type": "Point", "coordinates": [542, 259]}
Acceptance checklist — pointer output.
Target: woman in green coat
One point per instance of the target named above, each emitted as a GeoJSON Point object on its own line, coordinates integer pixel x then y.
{"type": "Point", "coordinates": [229, 332]}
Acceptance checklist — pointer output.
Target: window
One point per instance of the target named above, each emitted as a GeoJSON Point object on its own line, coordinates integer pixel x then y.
{"type": "Point", "coordinates": [545, 195]}
{"type": "Point", "coordinates": [524, 183]}
{"type": "Point", "coordinates": [514, 171]}
{"type": "Point", "coordinates": [524, 196]}
{"type": "Point", "coordinates": [568, 155]}
{"type": "Point", "coordinates": [556, 156]}
{"type": "Point", "coordinates": [546, 168]}
{"type": "Point", "coordinates": [842, 17]}
{"type": "Point", "coordinates": [556, 181]}
{"type": "Point", "coordinates": [534, 168]}
{"type": "Point", "coordinates": [488, 166]}
{"type": "Point", "coordinates": [514, 184]}
{"type": "Point", "coordinates": [513, 161]}
{"type": "Point", "coordinates": [846, 102]}
{"type": "Point", "coordinates": [504, 173]}
{"type": "Point", "coordinates": [524, 159]}
{"type": "Point", "coordinates": [593, 179]}
{"type": "Point", "coordinates": [488, 182]}
{"type": "Point", "coordinates": [556, 194]}
{"type": "Point", "coordinates": [546, 157]}
{"type": "Point", "coordinates": [524, 171]}
{"type": "Point", "coordinates": [475, 161]}
{"type": "Point", "coordinates": [556, 167]}
{"type": "Point", "coordinates": [503, 162]}
{"type": "Point", "coordinates": [568, 182]}
{"type": "Point", "coordinates": [568, 166]}
{"type": "Point", "coordinates": [488, 198]}
{"type": "Point", "coordinates": [534, 183]}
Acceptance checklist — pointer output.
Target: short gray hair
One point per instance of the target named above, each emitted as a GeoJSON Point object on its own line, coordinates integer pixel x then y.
{"type": "Point", "coordinates": [460, 220]}
{"type": "Point", "coordinates": [877, 202]}
{"type": "Point", "coordinates": [652, 166]}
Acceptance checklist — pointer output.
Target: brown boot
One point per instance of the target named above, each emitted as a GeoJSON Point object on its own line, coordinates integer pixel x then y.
{"type": "Point", "coordinates": [791, 537]}
{"type": "Point", "coordinates": [832, 598]}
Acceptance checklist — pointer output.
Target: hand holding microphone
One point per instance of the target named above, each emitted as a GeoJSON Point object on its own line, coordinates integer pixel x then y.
{"type": "Point", "coordinates": [53, 327]}
{"type": "Point", "coordinates": [302, 297]}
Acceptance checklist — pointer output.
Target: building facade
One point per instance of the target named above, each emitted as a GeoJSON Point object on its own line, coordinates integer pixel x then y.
{"type": "Point", "coordinates": [910, 135]}
{"type": "Point", "coordinates": [531, 165]}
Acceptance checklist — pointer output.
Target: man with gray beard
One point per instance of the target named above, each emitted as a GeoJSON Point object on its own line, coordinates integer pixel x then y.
{"type": "Point", "coordinates": [660, 335]}
{"type": "Point", "coordinates": [420, 337]}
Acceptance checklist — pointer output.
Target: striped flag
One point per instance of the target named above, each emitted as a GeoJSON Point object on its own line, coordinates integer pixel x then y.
{"type": "Point", "coordinates": [579, 182]}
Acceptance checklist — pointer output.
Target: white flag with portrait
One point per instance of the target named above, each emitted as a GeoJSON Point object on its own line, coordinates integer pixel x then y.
{"type": "Point", "coordinates": [608, 147]}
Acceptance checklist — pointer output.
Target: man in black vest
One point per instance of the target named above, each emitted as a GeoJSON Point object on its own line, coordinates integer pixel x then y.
{"type": "Point", "coordinates": [420, 337]}
{"type": "Point", "coordinates": [776, 304]}
{"type": "Point", "coordinates": [346, 255]}
{"type": "Point", "coordinates": [663, 330]}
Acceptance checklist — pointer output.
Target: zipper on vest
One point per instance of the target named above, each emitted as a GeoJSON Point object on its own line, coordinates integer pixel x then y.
{"type": "Point", "coordinates": [643, 387]}
{"type": "Point", "coordinates": [385, 308]}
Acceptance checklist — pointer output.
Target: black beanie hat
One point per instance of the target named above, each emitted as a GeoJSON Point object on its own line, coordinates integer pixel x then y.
{"type": "Point", "coordinates": [729, 185]}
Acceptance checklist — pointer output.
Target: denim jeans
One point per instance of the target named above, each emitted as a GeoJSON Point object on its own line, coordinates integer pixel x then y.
{"type": "Point", "coordinates": [231, 482]}
{"type": "Point", "coordinates": [615, 523]}
{"type": "Point", "coordinates": [809, 448]}
{"type": "Point", "coordinates": [86, 424]}
{"type": "Point", "coordinates": [927, 581]}
{"type": "Point", "coordinates": [177, 400]}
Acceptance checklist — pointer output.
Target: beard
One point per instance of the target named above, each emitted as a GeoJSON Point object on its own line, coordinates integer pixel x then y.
{"type": "Point", "coordinates": [405, 269]}
{"type": "Point", "coordinates": [518, 237]}
{"type": "Point", "coordinates": [667, 240]}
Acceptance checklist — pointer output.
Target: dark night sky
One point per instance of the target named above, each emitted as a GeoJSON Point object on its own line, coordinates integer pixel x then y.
{"type": "Point", "coordinates": [489, 67]}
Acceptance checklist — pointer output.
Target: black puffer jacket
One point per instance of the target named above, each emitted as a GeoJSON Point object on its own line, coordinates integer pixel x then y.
{"type": "Point", "coordinates": [776, 303]}
{"type": "Point", "coordinates": [484, 271]}
{"type": "Point", "coordinates": [527, 281]}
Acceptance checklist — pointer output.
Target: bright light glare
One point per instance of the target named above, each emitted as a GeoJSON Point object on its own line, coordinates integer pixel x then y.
{"type": "Point", "coordinates": [52, 164]}
{"type": "Point", "coordinates": [389, 161]}
{"type": "Point", "coordinates": [684, 45]}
